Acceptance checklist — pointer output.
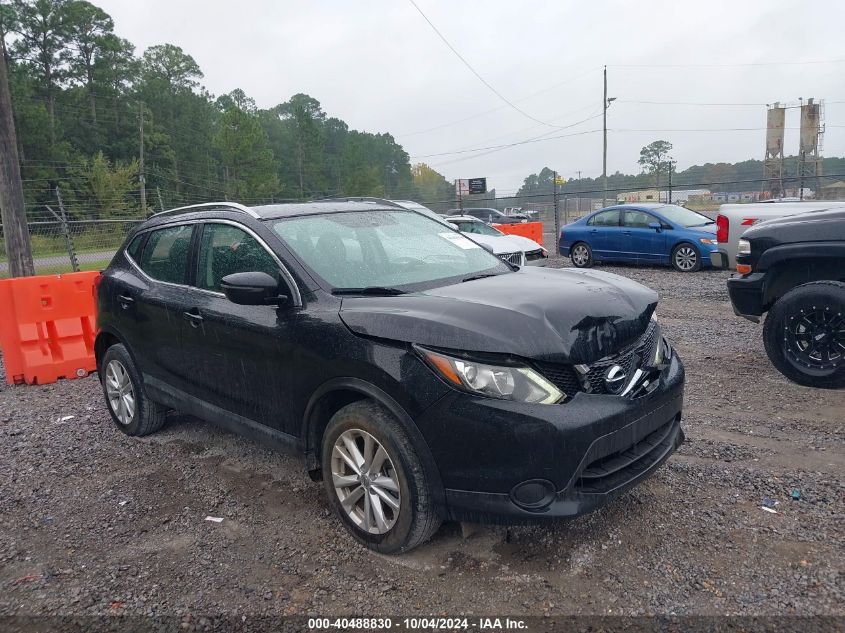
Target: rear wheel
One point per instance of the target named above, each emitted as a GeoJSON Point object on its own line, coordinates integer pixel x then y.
{"type": "Point", "coordinates": [130, 408]}
{"type": "Point", "coordinates": [375, 481]}
{"type": "Point", "coordinates": [581, 255]}
{"type": "Point", "coordinates": [804, 334]}
{"type": "Point", "coordinates": [685, 258]}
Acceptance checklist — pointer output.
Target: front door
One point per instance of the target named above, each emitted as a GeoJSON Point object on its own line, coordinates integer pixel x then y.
{"type": "Point", "coordinates": [239, 355]}
{"type": "Point", "coordinates": [642, 243]}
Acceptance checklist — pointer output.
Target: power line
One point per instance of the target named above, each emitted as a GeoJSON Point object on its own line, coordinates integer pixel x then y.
{"type": "Point", "coordinates": [475, 72]}
{"type": "Point", "coordinates": [486, 112]}
{"type": "Point", "coordinates": [525, 142]}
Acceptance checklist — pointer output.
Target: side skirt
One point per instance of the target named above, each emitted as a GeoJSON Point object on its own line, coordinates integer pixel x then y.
{"type": "Point", "coordinates": [163, 393]}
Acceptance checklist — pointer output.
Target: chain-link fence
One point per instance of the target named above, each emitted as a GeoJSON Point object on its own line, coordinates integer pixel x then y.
{"type": "Point", "coordinates": [59, 246]}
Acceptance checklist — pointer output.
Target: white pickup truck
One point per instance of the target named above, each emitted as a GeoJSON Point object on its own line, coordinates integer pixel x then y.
{"type": "Point", "coordinates": [734, 219]}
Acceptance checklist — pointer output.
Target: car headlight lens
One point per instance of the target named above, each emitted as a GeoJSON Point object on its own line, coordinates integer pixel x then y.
{"type": "Point", "coordinates": [518, 383]}
{"type": "Point", "coordinates": [708, 240]}
{"type": "Point", "coordinates": [743, 247]}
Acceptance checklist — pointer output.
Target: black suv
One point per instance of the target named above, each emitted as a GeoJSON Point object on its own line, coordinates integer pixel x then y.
{"type": "Point", "coordinates": [418, 375]}
{"type": "Point", "coordinates": [794, 269]}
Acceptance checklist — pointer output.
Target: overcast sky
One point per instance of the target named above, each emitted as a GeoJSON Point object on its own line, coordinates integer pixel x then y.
{"type": "Point", "coordinates": [380, 67]}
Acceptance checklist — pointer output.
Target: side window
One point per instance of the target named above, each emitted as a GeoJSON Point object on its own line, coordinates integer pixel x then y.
{"type": "Point", "coordinates": [165, 256]}
{"type": "Point", "coordinates": [134, 248]}
{"type": "Point", "coordinates": [606, 218]}
{"type": "Point", "coordinates": [638, 219]}
{"type": "Point", "coordinates": [226, 249]}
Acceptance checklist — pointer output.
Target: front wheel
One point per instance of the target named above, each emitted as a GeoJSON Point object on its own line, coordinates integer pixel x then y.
{"type": "Point", "coordinates": [581, 255]}
{"type": "Point", "coordinates": [804, 334]}
{"type": "Point", "coordinates": [375, 481]}
{"type": "Point", "coordinates": [685, 258]}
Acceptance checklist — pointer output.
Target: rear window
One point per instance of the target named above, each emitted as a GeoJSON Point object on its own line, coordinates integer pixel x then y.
{"type": "Point", "coordinates": [134, 248]}
{"type": "Point", "coordinates": [165, 256]}
{"type": "Point", "coordinates": [606, 218]}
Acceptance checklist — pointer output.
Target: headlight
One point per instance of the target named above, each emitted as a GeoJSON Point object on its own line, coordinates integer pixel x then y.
{"type": "Point", "coordinates": [708, 240]}
{"type": "Point", "coordinates": [743, 247]}
{"type": "Point", "coordinates": [518, 383]}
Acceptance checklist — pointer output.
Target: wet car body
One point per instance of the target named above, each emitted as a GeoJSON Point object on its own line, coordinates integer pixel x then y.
{"type": "Point", "coordinates": [278, 373]}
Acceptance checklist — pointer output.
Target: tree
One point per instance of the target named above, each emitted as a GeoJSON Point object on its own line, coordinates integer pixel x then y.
{"type": "Point", "coordinates": [42, 27]}
{"type": "Point", "coordinates": [106, 187]}
{"type": "Point", "coordinates": [250, 171]}
{"type": "Point", "coordinates": [171, 64]}
{"type": "Point", "coordinates": [431, 185]}
{"type": "Point", "coordinates": [87, 28]}
{"type": "Point", "coordinates": [653, 155]}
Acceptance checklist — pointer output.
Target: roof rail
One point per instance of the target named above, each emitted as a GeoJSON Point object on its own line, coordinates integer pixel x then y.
{"type": "Point", "coordinates": [232, 206]}
{"type": "Point", "coordinates": [384, 201]}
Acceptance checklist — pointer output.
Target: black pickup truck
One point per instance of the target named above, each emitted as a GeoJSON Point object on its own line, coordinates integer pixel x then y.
{"type": "Point", "coordinates": [794, 269]}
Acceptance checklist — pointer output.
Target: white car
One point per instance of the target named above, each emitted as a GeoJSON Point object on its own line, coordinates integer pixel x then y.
{"type": "Point", "coordinates": [734, 219]}
{"type": "Point", "coordinates": [514, 249]}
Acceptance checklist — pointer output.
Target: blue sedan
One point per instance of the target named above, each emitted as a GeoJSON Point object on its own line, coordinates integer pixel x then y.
{"type": "Point", "coordinates": [641, 233]}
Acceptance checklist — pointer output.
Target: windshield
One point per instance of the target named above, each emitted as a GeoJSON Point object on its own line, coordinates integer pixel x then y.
{"type": "Point", "coordinates": [384, 249]}
{"type": "Point", "coordinates": [682, 216]}
{"type": "Point", "coordinates": [479, 228]}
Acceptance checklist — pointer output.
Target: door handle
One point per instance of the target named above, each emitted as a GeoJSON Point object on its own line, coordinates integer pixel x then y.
{"type": "Point", "coordinates": [627, 232]}
{"type": "Point", "coordinates": [193, 317]}
{"type": "Point", "coordinates": [125, 301]}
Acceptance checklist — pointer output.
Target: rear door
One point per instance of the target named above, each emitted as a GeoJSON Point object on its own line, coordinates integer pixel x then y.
{"type": "Point", "coordinates": [149, 296]}
{"type": "Point", "coordinates": [640, 242]}
{"type": "Point", "coordinates": [604, 234]}
{"type": "Point", "coordinates": [240, 355]}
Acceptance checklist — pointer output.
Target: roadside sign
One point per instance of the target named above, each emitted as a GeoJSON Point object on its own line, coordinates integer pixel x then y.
{"type": "Point", "coordinates": [477, 185]}
{"type": "Point", "coordinates": [560, 180]}
{"type": "Point", "coordinates": [462, 187]}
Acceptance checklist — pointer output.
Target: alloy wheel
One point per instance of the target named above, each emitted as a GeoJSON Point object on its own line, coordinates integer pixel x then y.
{"type": "Point", "coordinates": [121, 394]}
{"type": "Point", "coordinates": [686, 258]}
{"type": "Point", "coordinates": [365, 481]}
{"type": "Point", "coordinates": [815, 338]}
{"type": "Point", "coordinates": [580, 255]}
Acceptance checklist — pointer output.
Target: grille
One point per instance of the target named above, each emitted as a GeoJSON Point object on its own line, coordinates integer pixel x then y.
{"type": "Point", "coordinates": [567, 379]}
{"type": "Point", "coordinates": [511, 258]}
{"type": "Point", "coordinates": [613, 470]}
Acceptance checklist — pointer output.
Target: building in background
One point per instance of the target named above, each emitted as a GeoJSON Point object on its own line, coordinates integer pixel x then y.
{"type": "Point", "coordinates": [833, 191]}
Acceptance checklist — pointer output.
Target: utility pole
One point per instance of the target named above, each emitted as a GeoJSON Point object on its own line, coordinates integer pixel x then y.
{"type": "Point", "coordinates": [142, 181]}
{"type": "Point", "coordinates": [557, 212]}
{"type": "Point", "coordinates": [12, 209]}
{"type": "Point", "coordinates": [578, 204]}
{"type": "Point", "coordinates": [604, 142]}
{"type": "Point", "coordinates": [670, 182]}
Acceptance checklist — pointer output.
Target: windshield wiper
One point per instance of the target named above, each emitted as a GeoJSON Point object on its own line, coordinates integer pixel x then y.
{"type": "Point", "coordinates": [369, 290]}
{"type": "Point", "coordinates": [482, 276]}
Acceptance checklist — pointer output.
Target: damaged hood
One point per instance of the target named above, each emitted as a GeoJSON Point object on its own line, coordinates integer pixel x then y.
{"type": "Point", "coordinates": [550, 315]}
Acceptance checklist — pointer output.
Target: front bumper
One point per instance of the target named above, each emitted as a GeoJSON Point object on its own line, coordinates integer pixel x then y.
{"type": "Point", "coordinates": [582, 453]}
{"type": "Point", "coordinates": [746, 293]}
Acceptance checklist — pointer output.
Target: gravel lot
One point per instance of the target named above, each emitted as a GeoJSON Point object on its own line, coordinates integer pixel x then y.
{"type": "Point", "coordinates": [93, 522]}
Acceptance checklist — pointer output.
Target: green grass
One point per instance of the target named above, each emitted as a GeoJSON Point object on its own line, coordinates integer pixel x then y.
{"type": "Point", "coordinates": [57, 269]}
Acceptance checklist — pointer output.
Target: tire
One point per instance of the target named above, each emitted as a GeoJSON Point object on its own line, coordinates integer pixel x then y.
{"type": "Point", "coordinates": [821, 302]}
{"type": "Point", "coordinates": [415, 520]}
{"type": "Point", "coordinates": [686, 258]}
{"type": "Point", "coordinates": [120, 379]}
{"type": "Point", "coordinates": [581, 255]}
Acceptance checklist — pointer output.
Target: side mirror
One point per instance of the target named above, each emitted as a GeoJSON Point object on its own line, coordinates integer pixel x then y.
{"type": "Point", "coordinates": [252, 289]}
{"type": "Point", "coordinates": [656, 226]}
{"type": "Point", "coordinates": [454, 226]}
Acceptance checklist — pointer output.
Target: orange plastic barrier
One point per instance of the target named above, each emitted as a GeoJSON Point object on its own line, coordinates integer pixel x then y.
{"type": "Point", "coordinates": [47, 327]}
{"type": "Point", "coordinates": [531, 230]}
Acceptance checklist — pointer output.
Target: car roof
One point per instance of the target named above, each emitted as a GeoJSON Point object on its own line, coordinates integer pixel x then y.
{"type": "Point", "coordinates": [274, 211]}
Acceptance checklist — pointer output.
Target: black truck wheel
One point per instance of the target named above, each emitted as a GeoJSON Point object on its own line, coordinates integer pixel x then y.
{"type": "Point", "coordinates": [804, 334]}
